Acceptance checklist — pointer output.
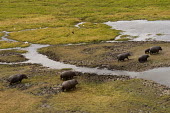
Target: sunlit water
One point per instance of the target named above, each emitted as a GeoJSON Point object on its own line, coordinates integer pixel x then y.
{"type": "Point", "coordinates": [159, 75]}
{"type": "Point", "coordinates": [143, 30]}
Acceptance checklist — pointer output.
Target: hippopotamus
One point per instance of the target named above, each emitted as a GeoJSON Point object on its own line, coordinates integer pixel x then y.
{"type": "Point", "coordinates": [121, 57]}
{"type": "Point", "coordinates": [147, 51]}
{"type": "Point", "coordinates": [155, 49]}
{"type": "Point", "coordinates": [69, 84]}
{"type": "Point", "coordinates": [143, 58]}
{"type": "Point", "coordinates": [16, 78]}
{"type": "Point", "coordinates": [67, 75]}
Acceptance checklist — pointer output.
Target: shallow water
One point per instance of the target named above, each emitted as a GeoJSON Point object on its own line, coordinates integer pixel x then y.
{"type": "Point", "coordinates": [77, 25]}
{"type": "Point", "coordinates": [142, 29]}
{"type": "Point", "coordinates": [159, 75]}
{"type": "Point", "coordinates": [4, 38]}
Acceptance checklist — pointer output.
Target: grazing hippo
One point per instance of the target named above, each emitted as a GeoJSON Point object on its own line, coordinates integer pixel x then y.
{"type": "Point", "coordinates": [16, 78]}
{"type": "Point", "coordinates": [67, 75]}
{"type": "Point", "coordinates": [69, 84]}
{"type": "Point", "coordinates": [121, 57]}
{"type": "Point", "coordinates": [143, 58]}
{"type": "Point", "coordinates": [155, 49]}
{"type": "Point", "coordinates": [147, 51]}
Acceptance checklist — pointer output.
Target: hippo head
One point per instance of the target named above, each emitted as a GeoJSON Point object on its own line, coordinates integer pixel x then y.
{"type": "Point", "coordinates": [160, 48]}
{"type": "Point", "coordinates": [129, 54]}
{"type": "Point", "coordinates": [24, 76]}
{"type": "Point", "coordinates": [147, 51]}
{"type": "Point", "coordinates": [75, 81]}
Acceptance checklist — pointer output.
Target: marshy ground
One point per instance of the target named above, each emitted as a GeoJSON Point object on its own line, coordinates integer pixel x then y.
{"type": "Point", "coordinates": [52, 22]}
{"type": "Point", "coordinates": [104, 55]}
{"type": "Point", "coordinates": [94, 93]}
{"type": "Point", "coordinates": [12, 56]}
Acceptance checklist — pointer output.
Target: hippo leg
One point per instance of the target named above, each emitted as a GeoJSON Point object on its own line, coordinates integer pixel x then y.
{"type": "Point", "coordinates": [62, 89]}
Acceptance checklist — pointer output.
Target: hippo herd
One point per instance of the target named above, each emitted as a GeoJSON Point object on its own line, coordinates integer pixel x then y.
{"type": "Point", "coordinates": [69, 84]}
{"type": "Point", "coordinates": [67, 76]}
{"type": "Point", "coordinates": [143, 58]}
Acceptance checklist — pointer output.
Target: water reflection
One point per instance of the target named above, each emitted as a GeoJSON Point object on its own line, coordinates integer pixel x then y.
{"type": "Point", "coordinates": [143, 30]}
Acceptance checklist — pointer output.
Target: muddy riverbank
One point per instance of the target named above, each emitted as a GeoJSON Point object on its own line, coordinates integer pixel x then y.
{"type": "Point", "coordinates": [104, 55]}
{"type": "Point", "coordinates": [42, 90]}
{"type": "Point", "coordinates": [12, 56]}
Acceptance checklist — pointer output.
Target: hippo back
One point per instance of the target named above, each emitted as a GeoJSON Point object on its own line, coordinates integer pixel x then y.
{"type": "Point", "coordinates": [123, 56]}
{"type": "Point", "coordinates": [17, 78]}
{"type": "Point", "coordinates": [143, 58]}
{"type": "Point", "coordinates": [69, 84]}
{"type": "Point", "coordinates": [67, 75]}
{"type": "Point", "coordinates": [13, 78]}
{"type": "Point", "coordinates": [155, 49]}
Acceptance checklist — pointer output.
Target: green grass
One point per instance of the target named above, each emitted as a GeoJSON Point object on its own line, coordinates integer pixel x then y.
{"type": "Point", "coordinates": [62, 15]}
{"type": "Point", "coordinates": [1, 34]}
{"type": "Point", "coordinates": [111, 97]}
{"type": "Point", "coordinates": [159, 34]}
{"type": "Point", "coordinates": [12, 56]}
{"type": "Point", "coordinates": [121, 96]}
{"type": "Point", "coordinates": [85, 10]}
{"type": "Point", "coordinates": [63, 35]}
{"type": "Point", "coordinates": [6, 44]}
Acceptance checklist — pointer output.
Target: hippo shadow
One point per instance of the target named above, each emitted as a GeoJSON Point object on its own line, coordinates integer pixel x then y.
{"type": "Point", "coordinates": [72, 90]}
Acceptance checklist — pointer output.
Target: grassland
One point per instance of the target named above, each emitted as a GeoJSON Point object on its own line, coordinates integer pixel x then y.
{"type": "Point", "coordinates": [63, 35]}
{"type": "Point", "coordinates": [104, 55]}
{"type": "Point", "coordinates": [53, 22]}
{"type": "Point", "coordinates": [60, 17]}
{"type": "Point", "coordinates": [10, 56]}
{"type": "Point", "coordinates": [1, 34]}
{"type": "Point", "coordinates": [93, 93]}
{"type": "Point", "coordinates": [6, 44]}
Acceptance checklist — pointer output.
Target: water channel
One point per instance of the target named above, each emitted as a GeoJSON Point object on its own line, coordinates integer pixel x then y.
{"type": "Point", "coordinates": [159, 75]}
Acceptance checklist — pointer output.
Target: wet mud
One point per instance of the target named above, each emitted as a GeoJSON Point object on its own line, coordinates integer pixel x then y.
{"type": "Point", "coordinates": [104, 55]}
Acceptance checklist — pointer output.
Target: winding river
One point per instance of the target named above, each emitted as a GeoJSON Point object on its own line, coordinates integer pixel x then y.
{"type": "Point", "coordinates": [159, 75]}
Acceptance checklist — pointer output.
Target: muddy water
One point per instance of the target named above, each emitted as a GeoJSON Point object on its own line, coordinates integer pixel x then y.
{"type": "Point", "coordinates": [159, 75]}
{"type": "Point", "coordinates": [143, 30]}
